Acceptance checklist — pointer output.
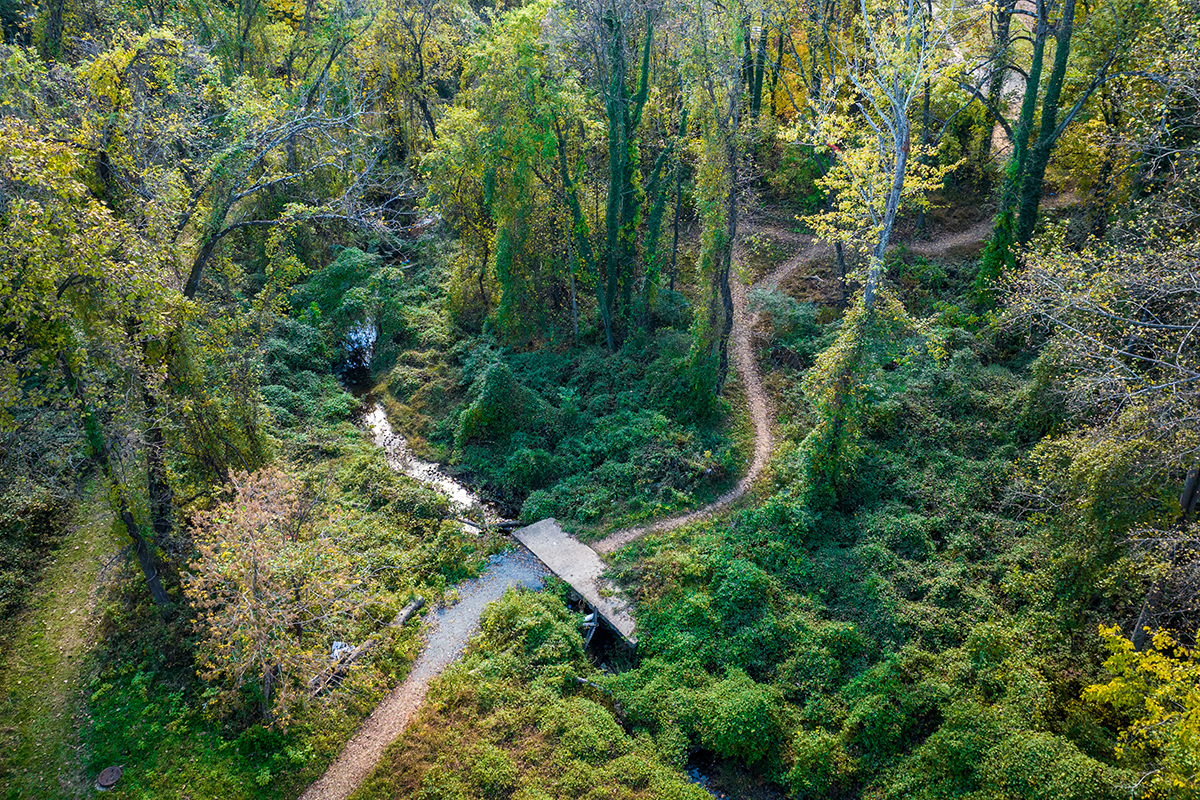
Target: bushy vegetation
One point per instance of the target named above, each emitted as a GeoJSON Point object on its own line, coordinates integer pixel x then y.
{"type": "Point", "coordinates": [909, 640]}
{"type": "Point", "coordinates": [31, 524]}
{"type": "Point", "coordinates": [146, 699]}
{"type": "Point", "coordinates": [574, 433]}
{"type": "Point", "coordinates": [969, 568]}
{"type": "Point", "coordinates": [521, 717]}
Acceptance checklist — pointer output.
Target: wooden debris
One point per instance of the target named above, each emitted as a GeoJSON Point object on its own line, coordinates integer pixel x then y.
{"type": "Point", "coordinates": [346, 657]}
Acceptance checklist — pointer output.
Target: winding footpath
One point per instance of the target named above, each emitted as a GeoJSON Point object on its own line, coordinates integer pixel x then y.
{"type": "Point", "coordinates": [449, 630]}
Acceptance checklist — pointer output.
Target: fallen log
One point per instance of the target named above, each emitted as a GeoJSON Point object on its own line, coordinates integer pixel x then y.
{"type": "Point", "coordinates": [335, 671]}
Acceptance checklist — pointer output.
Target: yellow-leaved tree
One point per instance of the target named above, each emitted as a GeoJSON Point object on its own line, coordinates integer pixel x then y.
{"type": "Point", "coordinates": [882, 58]}
{"type": "Point", "coordinates": [1158, 689]}
{"type": "Point", "coordinates": [269, 589]}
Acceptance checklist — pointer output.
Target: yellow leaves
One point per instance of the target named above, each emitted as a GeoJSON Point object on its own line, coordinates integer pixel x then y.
{"type": "Point", "coordinates": [264, 567]}
{"type": "Point", "coordinates": [1157, 689]}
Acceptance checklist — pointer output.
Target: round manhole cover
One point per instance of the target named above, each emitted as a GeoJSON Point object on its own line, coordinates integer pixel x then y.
{"type": "Point", "coordinates": [108, 778]}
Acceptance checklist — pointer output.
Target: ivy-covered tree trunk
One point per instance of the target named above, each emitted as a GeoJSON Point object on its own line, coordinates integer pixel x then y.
{"type": "Point", "coordinates": [658, 192]}
{"type": "Point", "coordinates": [625, 195]}
{"type": "Point", "coordinates": [725, 265]}
{"type": "Point", "coordinates": [615, 108]}
{"type": "Point", "coordinates": [1039, 156]}
{"type": "Point", "coordinates": [998, 256]}
{"type": "Point", "coordinates": [890, 209]}
{"type": "Point", "coordinates": [760, 65]}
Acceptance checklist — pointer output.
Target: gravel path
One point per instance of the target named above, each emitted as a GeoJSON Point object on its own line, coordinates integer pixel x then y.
{"type": "Point", "coordinates": [452, 627]}
{"type": "Point", "coordinates": [447, 636]}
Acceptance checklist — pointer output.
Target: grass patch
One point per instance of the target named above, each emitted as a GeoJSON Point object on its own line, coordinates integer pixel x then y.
{"type": "Point", "coordinates": [522, 717]}
{"type": "Point", "coordinates": [41, 686]}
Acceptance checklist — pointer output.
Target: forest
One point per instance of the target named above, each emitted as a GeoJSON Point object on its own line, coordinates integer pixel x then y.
{"type": "Point", "coordinates": [855, 344]}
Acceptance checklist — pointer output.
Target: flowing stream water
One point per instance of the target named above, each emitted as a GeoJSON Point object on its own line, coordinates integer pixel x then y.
{"type": "Point", "coordinates": [451, 626]}
{"type": "Point", "coordinates": [401, 458]}
{"type": "Point", "coordinates": [448, 629]}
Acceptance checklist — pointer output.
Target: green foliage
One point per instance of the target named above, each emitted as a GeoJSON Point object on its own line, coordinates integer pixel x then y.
{"type": "Point", "coordinates": [792, 170]}
{"type": "Point", "coordinates": [31, 519]}
{"type": "Point", "coordinates": [520, 717]}
{"type": "Point", "coordinates": [1154, 689]}
{"type": "Point", "coordinates": [840, 392]}
{"type": "Point", "coordinates": [500, 404]}
{"type": "Point", "coordinates": [901, 639]}
{"type": "Point", "coordinates": [742, 720]}
{"type": "Point", "coordinates": [583, 435]}
{"type": "Point", "coordinates": [821, 766]}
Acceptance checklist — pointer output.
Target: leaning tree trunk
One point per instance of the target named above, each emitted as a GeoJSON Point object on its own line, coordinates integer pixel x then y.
{"type": "Point", "coordinates": [103, 460]}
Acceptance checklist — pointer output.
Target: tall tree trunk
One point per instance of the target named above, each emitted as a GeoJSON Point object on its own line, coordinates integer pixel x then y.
{"type": "Point", "coordinates": [841, 269]}
{"type": "Point", "coordinates": [483, 298]}
{"type": "Point", "coordinates": [998, 256]}
{"type": "Point", "coordinates": [618, 151]}
{"type": "Point", "coordinates": [1106, 180]}
{"type": "Point", "coordinates": [571, 274]}
{"type": "Point", "coordinates": [726, 263]}
{"type": "Point", "coordinates": [678, 203]}
{"type": "Point", "coordinates": [658, 193]}
{"type": "Point", "coordinates": [579, 228]}
{"type": "Point", "coordinates": [775, 67]}
{"type": "Point", "coordinates": [890, 209]}
{"type": "Point", "coordinates": [1039, 155]}
{"type": "Point", "coordinates": [924, 145]}
{"type": "Point", "coordinates": [103, 460]}
{"type": "Point", "coordinates": [427, 113]}
{"type": "Point", "coordinates": [161, 496]}
{"type": "Point", "coordinates": [51, 44]}
{"type": "Point", "coordinates": [634, 198]}
{"type": "Point", "coordinates": [760, 62]}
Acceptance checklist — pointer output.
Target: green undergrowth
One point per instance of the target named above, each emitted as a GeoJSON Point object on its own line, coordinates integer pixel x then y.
{"type": "Point", "coordinates": [908, 638]}
{"type": "Point", "coordinates": [147, 708]}
{"type": "Point", "coordinates": [578, 434]}
{"type": "Point", "coordinates": [51, 642]}
{"type": "Point", "coordinates": [521, 717]}
{"type": "Point", "coordinates": [150, 712]}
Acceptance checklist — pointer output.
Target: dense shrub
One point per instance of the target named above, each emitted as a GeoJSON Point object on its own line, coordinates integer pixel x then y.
{"type": "Point", "coordinates": [581, 435]}
{"type": "Point", "coordinates": [520, 717]}
{"type": "Point", "coordinates": [32, 520]}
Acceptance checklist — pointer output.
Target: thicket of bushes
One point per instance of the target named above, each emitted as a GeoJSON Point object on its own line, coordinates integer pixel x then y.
{"type": "Point", "coordinates": [575, 433]}
{"type": "Point", "coordinates": [147, 707]}
{"type": "Point", "coordinates": [521, 717]}
{"type": "Point", "coordinates": [918, 637]}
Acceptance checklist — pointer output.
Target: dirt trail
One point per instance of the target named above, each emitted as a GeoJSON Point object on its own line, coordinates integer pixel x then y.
{"type": "Point", "coordinates": [940, 245]}
{"type": "Point", "coordinates": [445, 640]}
{"type": "Point", "coordinates": [742, 351]}
{"type": "Point", "coordinates": [744, 322]}
{"type": "Point", "coordinates": [449, 633]}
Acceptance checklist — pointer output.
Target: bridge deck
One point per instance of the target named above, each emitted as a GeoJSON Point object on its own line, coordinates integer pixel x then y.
{"type": "Point", "coordinates": [580, 566]}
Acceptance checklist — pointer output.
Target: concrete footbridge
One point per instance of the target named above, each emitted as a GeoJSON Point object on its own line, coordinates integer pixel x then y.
{"type": "Point", "coordinates": [582, 568]}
